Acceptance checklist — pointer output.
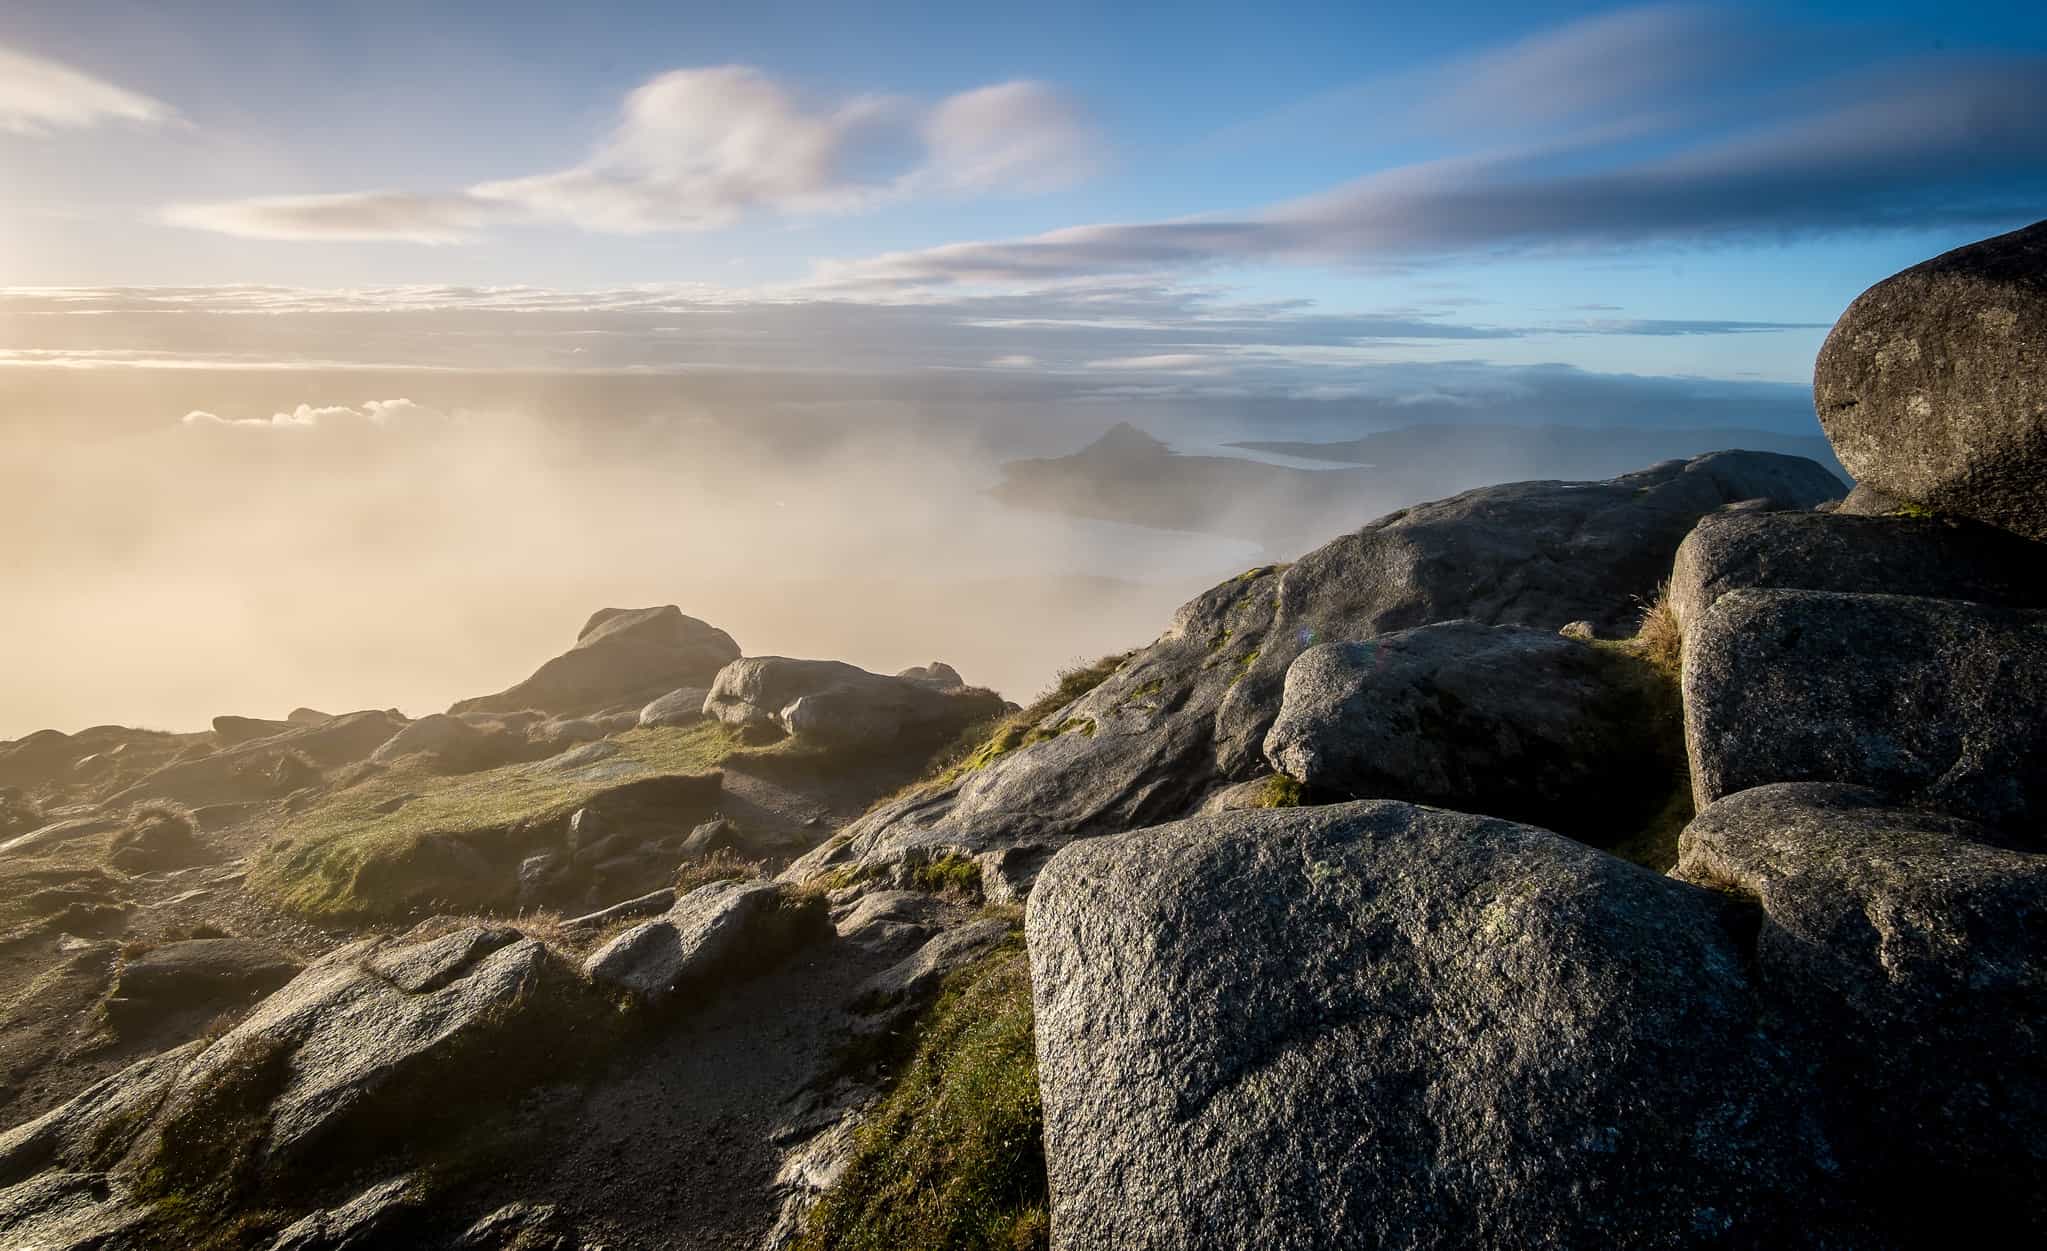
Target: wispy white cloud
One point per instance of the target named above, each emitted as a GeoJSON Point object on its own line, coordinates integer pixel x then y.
{"type": "Point", "coordinates": [1018, 136]}
{"type": "Point", "coordinates": [1660, 125]}
{"type": "Point", "coordinates": [38, 96]}
{"type": "Point", "coordinates": [1161, 362]}
{"type": "Point", "coordinates": [393, 215]}
{"type": "Point", "coordinates": [373, 415]}
{"type": "Point", "coordinates": [700, 149]}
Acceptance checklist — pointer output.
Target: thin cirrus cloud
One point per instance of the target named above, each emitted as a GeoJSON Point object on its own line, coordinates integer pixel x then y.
{"type": "Point", "coordinates": [1100, 333]}
{"type": "Point", "coordinates": [700, 149]}
{"type": "Point", "coordinates": [39, 96]}
{"type": "Point", "coordinates": [1670, 125]}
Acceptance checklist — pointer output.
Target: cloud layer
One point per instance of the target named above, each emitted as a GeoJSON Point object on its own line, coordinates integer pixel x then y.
{"type": "Point", "coordinates": [1091, 334]}
{"type": "Point", "coordinates": [700, 149]}
{"type": "Point", "coordinates": [38, 96]}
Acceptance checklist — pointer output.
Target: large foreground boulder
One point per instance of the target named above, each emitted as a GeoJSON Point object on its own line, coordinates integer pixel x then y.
{"type": "Point", "coordinates": [1189, 714]}
{"type": "Point", "coordinates": [1377, 1025]}
{"type": "Point", "coordinates": [834, 703]}
{"type": "Point", "coordinates": [1931, 388]}
{"type": "Point", "coordinates": [1933, 701]}
{"type": "Point", "coordinates": [1905, 949]}
{"type": "Point", "coordinates": [1876, 555]}
{"type": "Point", "coordinates": [623, 657]}
{"type": "Point", "coordinates": [1509, 721]}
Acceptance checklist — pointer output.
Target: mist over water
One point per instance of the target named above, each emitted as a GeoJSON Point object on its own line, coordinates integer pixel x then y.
{"type": "Point", "coordinates": [388, 553]}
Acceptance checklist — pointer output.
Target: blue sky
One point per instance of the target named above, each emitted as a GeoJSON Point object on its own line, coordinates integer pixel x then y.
{"type": "Point", "coordinates": [1662, 190]}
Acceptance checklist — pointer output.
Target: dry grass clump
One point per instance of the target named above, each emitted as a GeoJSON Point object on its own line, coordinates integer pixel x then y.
{"type": "Point", "coordinates": [544, 924]}
{"type": "Point", "coordinates": [722, 865]}
{"type": "Point", "coordinates": [1657, 638]}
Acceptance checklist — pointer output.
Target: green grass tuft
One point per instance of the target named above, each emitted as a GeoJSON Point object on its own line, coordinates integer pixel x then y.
{"type": "Point", "coordinates": [985, 742]}
{"type": "Point", "coordinates": [953, 1157]}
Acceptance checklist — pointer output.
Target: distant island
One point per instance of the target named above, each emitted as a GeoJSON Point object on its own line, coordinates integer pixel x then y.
{"type": "Point", "coordinates": [1131, 477]}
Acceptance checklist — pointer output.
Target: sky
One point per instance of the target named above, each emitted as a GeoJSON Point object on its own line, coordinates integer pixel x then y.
{"type": "Point", "coordinates": [352, 354]}
{"type": "Point", "coordinates": [1284, 195]}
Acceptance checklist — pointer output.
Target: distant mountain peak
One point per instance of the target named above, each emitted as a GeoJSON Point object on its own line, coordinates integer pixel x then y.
{"type": "Point", "coordinates": [1124, 440]}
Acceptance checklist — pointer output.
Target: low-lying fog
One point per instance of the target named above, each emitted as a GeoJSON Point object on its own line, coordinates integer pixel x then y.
{"type": "Point", "coordinates": [180, 542]}
{"type": "Point", "coordinates": [391, 554]}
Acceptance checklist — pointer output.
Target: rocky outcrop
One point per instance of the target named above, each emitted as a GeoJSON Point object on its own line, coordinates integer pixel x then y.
{"type": "Point", "coordinates": [343, 1050]}
{"type": "Point", "coordinates": [1930, 385]}
{"type": "Point", "coordinates": [1509, 721]}
{"type": "Point", "coordinates": [94, 761]}
{"type": "Point", "coordinates": [455, 745]}
{"type": "Point", "coordinates": [56, 834]}
{"type": "Point", "coordinates": [683, 706]}
{"type": "Point", "coordinates": [1936, 702]}
{"type": "Point", "coordinates": [235, 730]}
{"type": "Point", "coordinates": [914, 981]}
{"type": "Point", "coordinates": [374, 1217]}
{"type": "Point", "coordinates": [265, 768]}
{"type": "Point", "coordinates": [19, 813]}
{"type": "Point", "coordinates": [72, 1212]}
{"type": "Point", "coordinates": [1377, 1025]}
{"type": "Point", "coordinates": [198, 974]}
{"type": "Point", "coordinates": [372, 1046]}
{"type": "Point", "coordinates": [1189, 714]}
{"type": "Point", "coordinates": [623, 657]}
{"type": "Point", "coordinates": [97, 1126]}
{"type": "Point", "coordinates": [937, 675]}
{"type": "Point", "coordinates": [1863, 554]}
{"type": "Point", "coordinates": [1904, 950]}
{"type": "Point", "coordinates": [436, 733]}
{"type": "Point", "coordinates": [708, 935]}
{"type": "Point", "coordinates": [833, 703]}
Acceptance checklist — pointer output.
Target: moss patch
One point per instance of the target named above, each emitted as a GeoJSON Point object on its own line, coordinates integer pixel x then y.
{"type": "Point", "coordinates": [1244, 663]}
{"type": "Point", "coordinates": [953, 1158]}
{"type": "Point", "coordinates": [839, 878]}
{"type": "Point", "coordinates": [330, 858]}
{"type": "Point", "coordinates": [956, 874]}
{"type": "Point", "coordinates": [1281, 791]}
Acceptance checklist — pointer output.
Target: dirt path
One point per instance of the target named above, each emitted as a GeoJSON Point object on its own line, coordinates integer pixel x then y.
{"type": "Point", "coordinates": [669, 1145]}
